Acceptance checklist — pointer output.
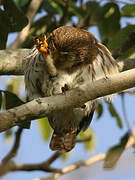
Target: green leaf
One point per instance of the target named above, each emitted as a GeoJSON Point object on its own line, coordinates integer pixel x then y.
{"type": "Point", "coordinates": [129, 53]}
{"type": "Point", "coordinates": [88, 145]}
{"type": "Point", "coordinates": [12, 100]}
{"type": "Point", "coordinates": [92, 10]}
{"type": "Point", "coordinates": [99, 110]}
{"type": "Point", "coordinates": [3, 29]}
{"type": "Point", "coordinates": [65, 156]}
{"type": "Point", "coordinates": [78, 11]}
{"type": "Point", "coordinates": [8, 135]}
{"type": "Point", "coordinates": [12, 20]}
{"type": "Point", "coordinates": [47, 6]}
{"type": "Point", "coordinates": [121, 36]}
{"type": "Point", "coordinates": [108, 19]}
{"type": "Point", "coordinates": [45, 128]}
{"type": "Point", "coordinates": [22, 2]}
{"type": "Point", "coordinates": [16, 20]}
{"type": "Point", "coordinates": [92, 7]}
{"type": "Point", "coordinates": [128, 10]}
{"type": "Point", "coordinates": [114, 114]}
{"type": "Point", "coordinates": [0, 99]}
{"type": "Point", "coordinates": [114, 153]}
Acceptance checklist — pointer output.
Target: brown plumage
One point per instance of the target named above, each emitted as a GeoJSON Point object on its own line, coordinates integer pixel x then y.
{"type": "Point", "coordinates": [72, 57]}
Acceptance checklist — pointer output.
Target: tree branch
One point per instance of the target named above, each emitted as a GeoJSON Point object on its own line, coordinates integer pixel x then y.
{"type": "Point", "coordinates": [53, 158]}
{"type": "Point", "coordinates": [15, 147]}
{"type": "Point", "coordinates": [12, 166]}
{"type": "Point", "coordinates": [41, 107]}
{"type": "Point", "coordinates": [13, 62]}
{"type": "Point", "coordinates": [33, 7]}
{"type": "Point", "coordinates": [9, 166]}
{"type": "Point", "coordinates": [77, 165]}
{"type": "Point", "coordinates": [88, 162]}
{"type": "Point", "coordinates": [45, 166]}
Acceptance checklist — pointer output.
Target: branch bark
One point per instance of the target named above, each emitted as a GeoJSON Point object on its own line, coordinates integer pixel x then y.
{"type": "Point", "coordinates": [41, 107]}
{"type": "Point", "coordinates": [13, 62]}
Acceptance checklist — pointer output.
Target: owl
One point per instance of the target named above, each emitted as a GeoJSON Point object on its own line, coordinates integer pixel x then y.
{"type": "Point", "coordinates": [67, 58]}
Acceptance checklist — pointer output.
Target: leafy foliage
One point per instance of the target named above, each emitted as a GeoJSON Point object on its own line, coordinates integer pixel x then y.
{"type": "Point", "coordinates": [128, 10]}
{"type": "Point", "coordinates": [108, 13]}
{"type": "Point", "coordinates": [99, 110]}
{"type": "Point", "coordinates": [88, 144]}
{"type": "Point", "coordinates": [45, 128]}
{"type": "Point", "coordinates": [11, 100]}
{"type": "Point", "coordinates": [115, 152]}
{"type": "Point", "coordinates": [120, 37]}
{"type": "Point", "coordinates": [13, 20]}
{"type": "Point", "coordinates": [115, 114]}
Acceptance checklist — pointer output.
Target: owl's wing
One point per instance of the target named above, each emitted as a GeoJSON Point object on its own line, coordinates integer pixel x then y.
{"type": "Point", "coordinates": [86, 120]}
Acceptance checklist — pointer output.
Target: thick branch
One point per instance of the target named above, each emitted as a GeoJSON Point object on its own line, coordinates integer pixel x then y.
{"type": "Point", "coordinates": [43, 106]}
{"type": "Point", "coordinates": [12, 62]}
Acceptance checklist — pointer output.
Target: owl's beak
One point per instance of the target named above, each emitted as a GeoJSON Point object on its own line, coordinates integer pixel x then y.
{"type": "Point", "coordinates": [42, 45]}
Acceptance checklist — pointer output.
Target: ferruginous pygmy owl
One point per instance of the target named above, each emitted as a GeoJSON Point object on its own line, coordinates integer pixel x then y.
{"type": "Point", "coordinates": [67, 58]}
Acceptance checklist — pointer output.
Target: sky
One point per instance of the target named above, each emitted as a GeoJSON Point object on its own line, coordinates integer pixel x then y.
{"type": "Point", "coordinates": [34, 150]}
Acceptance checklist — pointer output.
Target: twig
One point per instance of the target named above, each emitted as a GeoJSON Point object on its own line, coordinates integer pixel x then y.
{"type": "Point", "coordinates": [33, 7]}
{"type": "Point", "coordinates": [53, 158]}
{"type": "Point", "coordinates": [11, 166]}
{"type": "Point", "coordinates": [75, 166]}
{"type": "Point", "coordinates": [15, 147]}
{"type": "Point", "coordinates": [45, 166]}
{"type": "Point", "coordinates": [85, 163]}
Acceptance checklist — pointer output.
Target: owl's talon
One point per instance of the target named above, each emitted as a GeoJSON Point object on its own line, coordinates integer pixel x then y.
{"type": "Point", "coordinates": [83, 106]}
{"type": "Point", "coordinates": [41, 44]}
{"type": "Point", "coordinates": [53, 78]}
{"type": "Point", "coordinates": [65, 88]}
{"type": "Point", "coordinates": [106, 77]}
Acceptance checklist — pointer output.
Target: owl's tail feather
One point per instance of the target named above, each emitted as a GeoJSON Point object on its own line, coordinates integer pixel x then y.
{"type": "Point", "coordinates": [63, 143]}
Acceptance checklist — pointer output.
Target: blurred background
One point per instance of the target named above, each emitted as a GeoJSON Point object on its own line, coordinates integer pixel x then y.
{"type": "Point", "coordinates": [111, 22]}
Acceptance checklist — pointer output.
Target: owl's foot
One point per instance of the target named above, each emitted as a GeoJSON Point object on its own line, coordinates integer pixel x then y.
{"type": "Point", "coordinates": [41, 45]}
{"type": "Point", "coordinates": [65, 88]}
